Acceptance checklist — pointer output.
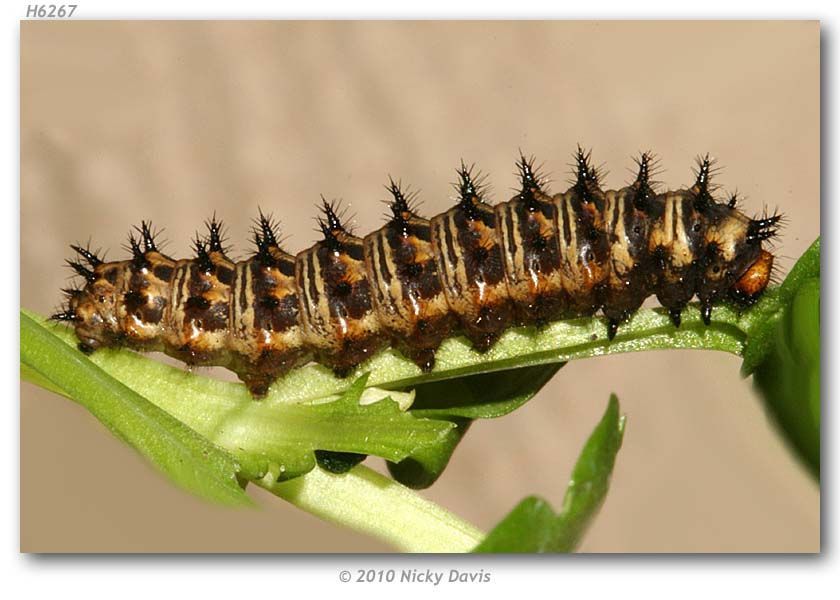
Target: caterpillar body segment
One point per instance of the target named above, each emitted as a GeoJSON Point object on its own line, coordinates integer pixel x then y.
{"type": "Point", "coordinates": [469, 255]}
{"type": "Point", "coordinates": [337, 313]}
{"type": "Point", "coordinates": [533, 263]}
{"type": "Point", "coordinates": [266, 336]}
{"type": "Point", "coordinates": [407, 288]}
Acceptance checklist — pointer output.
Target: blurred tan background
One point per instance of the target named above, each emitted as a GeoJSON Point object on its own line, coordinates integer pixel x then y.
{"type": "Point", "coordinates": [171, 121]}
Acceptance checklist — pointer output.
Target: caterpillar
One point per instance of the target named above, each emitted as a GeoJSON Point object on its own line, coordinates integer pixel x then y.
{"type": "Point", "coordinates": [474, 270]}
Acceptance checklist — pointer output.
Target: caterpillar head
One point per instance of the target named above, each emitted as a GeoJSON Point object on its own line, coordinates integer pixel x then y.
{"type": "Point", "coordinates": [754, 280]}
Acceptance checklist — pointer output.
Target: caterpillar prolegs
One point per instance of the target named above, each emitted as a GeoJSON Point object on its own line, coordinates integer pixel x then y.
{"type": "Point", "coordinates": [475, 270]}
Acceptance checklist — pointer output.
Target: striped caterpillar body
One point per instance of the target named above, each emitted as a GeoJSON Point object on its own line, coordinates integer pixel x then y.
{"type": "Point", "coordinates": [475, 270]}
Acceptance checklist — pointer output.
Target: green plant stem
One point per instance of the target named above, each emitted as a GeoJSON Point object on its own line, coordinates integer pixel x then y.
{"type": "Point", "coordinates": [371, 503]}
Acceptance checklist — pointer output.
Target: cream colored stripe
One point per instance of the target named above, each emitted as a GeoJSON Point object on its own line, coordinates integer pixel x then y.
{"type": "Point", "coordinates": [680, 224]}
{"type": "Point", "coordinates": [442, 249]}
{"type": "Point", "coordinates": [233, 304]}
{"type": "Point", "coordinates": [371, 250]}
{"type": "Point", "coordinates": [509, 254]}
{"type": "Point", "coordinates": [302, 280]}
{"type": "Point", "coordinates": [620, 229]}
{"type": "Point", "coordinates": [573, 259]}
{"type": "Point", "coordinates": [461, 267]}
{"type": "Point", "coordinates": [248, 316]}
{"type": "Point", "coordinates": [518, 254]}
{"type": "Point", "coordinates": [609, 211]}
{"type": "Point", "coordinates": [560, 220]}
{"type": "Point", "coordinates": [324, 321]}
{"type": "Point", "coordinates": [394, 293]}
{"type": "Point", "coordinates": [668, 225]}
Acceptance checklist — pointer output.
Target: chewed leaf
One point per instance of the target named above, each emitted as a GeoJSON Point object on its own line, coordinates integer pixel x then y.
{"type": "Point", "coordinates": [533, 526]}
{"type": "Point", "coordinates": [373, 395]}
{"type": "Point", "coordinates": [289, 434]}
{"type": "Point", "coordinates": [265, 435]}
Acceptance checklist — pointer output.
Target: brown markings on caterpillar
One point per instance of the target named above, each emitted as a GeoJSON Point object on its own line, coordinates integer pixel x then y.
{"type": "Point", "coordinates": [266, 336]}
{"type": "Point", "coordinates": [469, 255]}
{"type": "Point", "coordinates": [474, 269]}
{"type": "Point", "coordinates": [339, 322]}
{"type": "Point", "coordinates": [407, 290]}
{"type": "Point", "coordinates": [583, 244]}
{"type": "Point", "coordinates": [530, 247]}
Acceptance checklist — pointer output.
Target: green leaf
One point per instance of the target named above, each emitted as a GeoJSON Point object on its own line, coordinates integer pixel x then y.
{"type": "Point", "coordinates": [761, 326]}
{"type": "Point", "coordinates": [807, 267]}
{"type": "Point", "coordinates": [788, 378]}
{"type": "Point", "coordinates": [529, 527]}
{"type": "Point", "coordinates": [176, 450]}
{"type": "Point", "coordinates": [361, 499]}
{"type": "Point", "coordinates": [590, 479]}
{"type": "Point", "coordinates": [558, 342]}
{"type": "Point", "coordinates": [288, 435]}
{"type": "Point", "coordinates": [533, 526]}
{"type": "Point", "coordinates": [485, 396]}
{"type": "Point", "coordinates": [423, 467]}
{"type": "Point", "coordinates": [782, 353]}
{"type": "Point", "coordinates": [460, 401]}
{"type": "Point", "coordinates": [267, 435]}
{"type": "Point", "coordinates": [761, 338]}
